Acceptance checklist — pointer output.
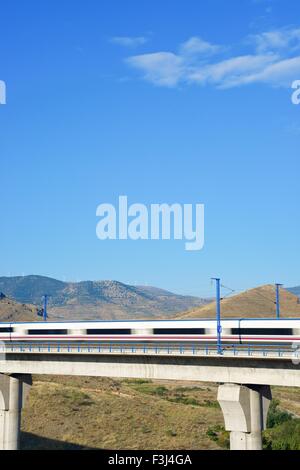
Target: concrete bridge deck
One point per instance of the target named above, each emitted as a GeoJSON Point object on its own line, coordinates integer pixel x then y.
{"type": "Point", "coordinates": [177, 365]}
{"type": "Point", "coordinates": [264, 352]}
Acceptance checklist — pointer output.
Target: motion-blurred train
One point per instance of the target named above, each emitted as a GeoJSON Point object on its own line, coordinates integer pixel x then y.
{"type": "Point", "coordinates": [234, 331]}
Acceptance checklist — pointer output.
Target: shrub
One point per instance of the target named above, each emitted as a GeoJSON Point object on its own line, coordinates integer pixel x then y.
{"type": "Point", "coordinates": [161, 390]}
{"type": "Point", "coordinates": [184, 400]}
{"type": "Point", "coordinates": [171, 433]}
{"type": "Point", "coordinates": [219, 435]}
{"type": "Point", "coordinates": [285, 436]}
{"type": "Point", "coordinates": [137, 381]}
{"type": "Point", "coordinates": [77, 398]}
{"type": "Point", "coordinates": [277, 416]}
{"type": "Point", "coordinates": [210, 404]}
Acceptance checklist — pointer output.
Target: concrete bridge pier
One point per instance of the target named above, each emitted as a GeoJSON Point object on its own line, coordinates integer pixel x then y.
{"type": "Point", "coordinates": [245, 409]}
{"type": "Point", "coordinates": [13, 392]}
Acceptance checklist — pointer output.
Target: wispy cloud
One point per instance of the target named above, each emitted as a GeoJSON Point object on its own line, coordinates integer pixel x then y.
{"type": "Point", "coordinates": [127, 41]}
{"type": "Point", "coordinates": [277, 40]}
{"type": "Point", "coordinates": [160, 68]}
{"type": "Point", "coordinates": [273, 58]}
{"type": "Point", "coordinates": [197, 46]}
{"type": "Point", "coordinates": [231, 72]}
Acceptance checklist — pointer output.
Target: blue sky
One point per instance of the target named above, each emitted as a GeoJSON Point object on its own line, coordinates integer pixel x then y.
{"type": "Point", "coordinates": [173, 101]}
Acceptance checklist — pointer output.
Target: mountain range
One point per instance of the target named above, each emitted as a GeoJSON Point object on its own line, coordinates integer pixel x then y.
{"type": "Point", "coordinates": [295, 290]}
{"type": "Point", "coordinates": [88, 300]}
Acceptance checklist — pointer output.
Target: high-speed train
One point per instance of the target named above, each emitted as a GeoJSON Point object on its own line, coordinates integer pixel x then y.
{"type": "Point", "coordinates": [234, 331]}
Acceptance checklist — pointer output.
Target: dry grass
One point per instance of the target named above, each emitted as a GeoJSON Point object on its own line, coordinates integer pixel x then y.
{"type": "Point", "coordinates": [13, 311]}
{"type": "Point", "coordinates": [289, 399]}
{"type": "Point", "coordinates": [103, 413]}
{"type": "Point", "coordinates": [257, 302]}
{"type": "Point", "coordinates": [115, 414]}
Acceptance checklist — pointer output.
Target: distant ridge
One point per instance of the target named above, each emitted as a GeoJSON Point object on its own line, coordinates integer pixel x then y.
{"type": "Point", "coordinates": [295, 290]}
{"type": "Point", "coordinates": [253, 303]}
{"type": "Point", "coordinates": [88, 300]}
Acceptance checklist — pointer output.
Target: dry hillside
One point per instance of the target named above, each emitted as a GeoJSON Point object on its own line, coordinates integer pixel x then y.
{"type": "Point", "coordinates": [13, 311]}
{"type": "Point", "coordinates": [105, 413]}
{"type": "Point", "coordinates": [258, 302]}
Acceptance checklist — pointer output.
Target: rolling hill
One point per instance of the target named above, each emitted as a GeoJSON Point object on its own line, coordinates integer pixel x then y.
{"type": "Point", "coordinates": [90, 300]}
{"type": "Point", "coordinates": [258, 302]}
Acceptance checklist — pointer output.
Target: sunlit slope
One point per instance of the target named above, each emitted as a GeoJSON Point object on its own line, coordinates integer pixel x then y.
{"type": "Point", "coordinates": [257, 303]}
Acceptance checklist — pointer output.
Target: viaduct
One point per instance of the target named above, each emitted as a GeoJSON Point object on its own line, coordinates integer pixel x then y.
{"type": "Point", "coordinates": [244, 378]}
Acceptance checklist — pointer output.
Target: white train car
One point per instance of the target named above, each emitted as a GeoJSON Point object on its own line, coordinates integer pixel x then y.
{"type": "Point", "coordinates": [234, 331]}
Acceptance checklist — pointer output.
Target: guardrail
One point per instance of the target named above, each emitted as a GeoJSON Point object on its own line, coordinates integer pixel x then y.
{"type": "Point", "coordinates": [140, 349]}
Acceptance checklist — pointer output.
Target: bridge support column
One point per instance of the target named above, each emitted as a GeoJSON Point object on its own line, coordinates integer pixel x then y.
{"type": "Point", "coordinates": [245, 411]}
{"type": "Point", "coordinates": [13, 392]}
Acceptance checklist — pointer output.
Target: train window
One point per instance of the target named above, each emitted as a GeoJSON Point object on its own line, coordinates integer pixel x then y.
{"type": "Point", "coordinates": [47, 332]}
{"type": "Point", "coordinates": [6, 330]}
{"type": "Point", "coordinates": [262, 331]}
{"type": "Point", "coordinates": [108, 331]}
{"type": "Point", "coordinates": [179, 331]}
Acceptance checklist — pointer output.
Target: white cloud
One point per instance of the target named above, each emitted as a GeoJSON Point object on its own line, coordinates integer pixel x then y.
{"type": "Point", "coordinates": [275, 60]}
{"type": "Point", "coordinates": [127, 41]}
{"type": "Point", "coordinates": [196, 45]}
{"type": "Point", "coordinates": [277, 39]}
{"type": "Point", "coordinates": [280, 73]}
{"type": "Point", "coordinates": [223, 73]}
{"type": "Point", "coordinates": [160, 68]}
